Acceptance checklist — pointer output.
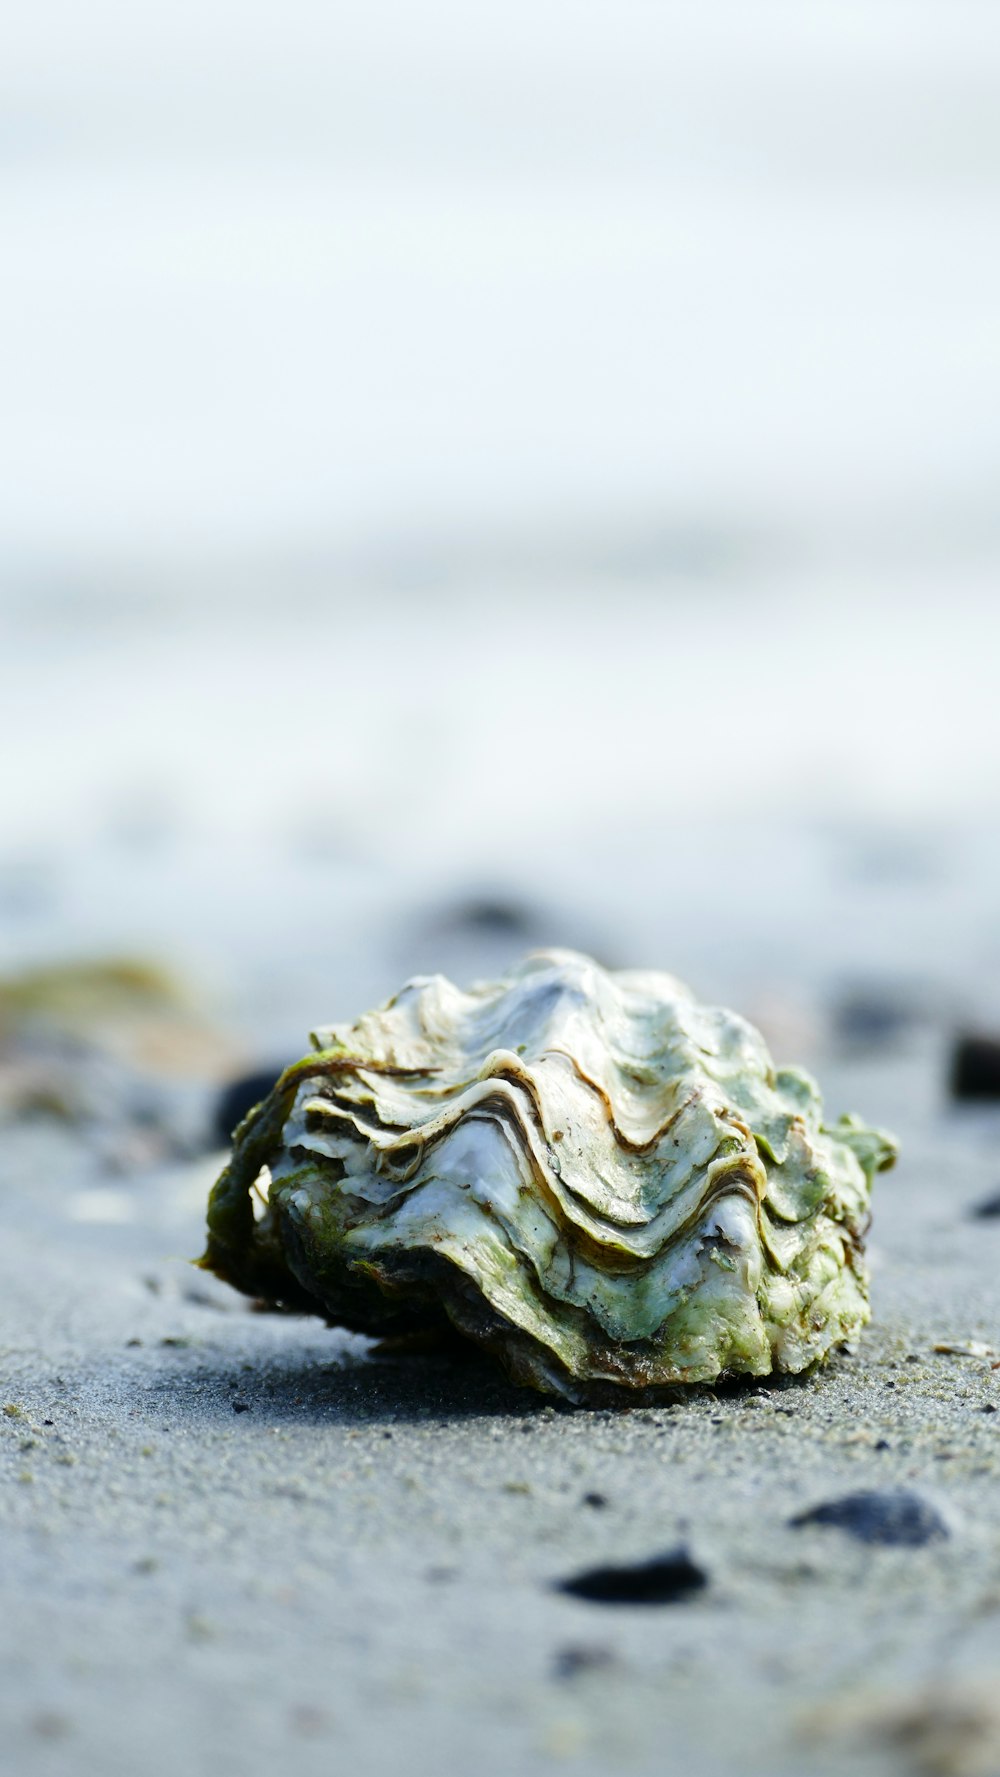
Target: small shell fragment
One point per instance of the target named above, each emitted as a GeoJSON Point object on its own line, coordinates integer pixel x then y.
{"type": "Point", "coordinates": [964, 1348]}
{"type": "Point", "coordinates": [600, 1180]}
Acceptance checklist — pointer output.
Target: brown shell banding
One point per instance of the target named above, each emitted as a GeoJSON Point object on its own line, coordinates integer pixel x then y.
{"type": "Point", "coordinates": [495, 1090]}
{"type": "Point", "coordinates": [631, 1144]}
{"type": "Point", "coordinates": [614, 1184]}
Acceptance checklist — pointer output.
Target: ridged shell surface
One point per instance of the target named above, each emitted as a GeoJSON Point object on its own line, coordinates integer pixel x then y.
{"type": "Point", "coordinates": [601, 1180]}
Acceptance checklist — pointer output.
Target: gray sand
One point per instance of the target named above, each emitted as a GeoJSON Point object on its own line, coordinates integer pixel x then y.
{"type": "Point", "coordinates": [232, 1540]}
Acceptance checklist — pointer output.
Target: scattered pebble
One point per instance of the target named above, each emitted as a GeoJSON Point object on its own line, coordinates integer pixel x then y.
{"type": "Point", "coordinates": [492, 916]}
{"type": "Point", "coordinates": [588, 1656]}
{"type": "Point", "coordinates": [662, 1580]}
{"type": "Point", "coordinates": [889, 1516]}
{"type": "Point", "coordinates": [954, 1733]}
{"type": "Point", "coordinates": [872, 1017]}
{"type": "Point", "coordinates": [309, 1720]}
{"type": "Point", "coordinates": [204, 1298]}
{"type": "Point", "coordinates": [975, 1067]}
{"type": "Point", "coordinates": [965, 1348]}
{"type": "Point", "coordinates": [987, 1208]}
{"type": "Point", "coordinates": [238, 1098]}
{"type": "Point", "coordinates": [597, 1500]}
{"type": "Point", "coordinates": [51, 1724]}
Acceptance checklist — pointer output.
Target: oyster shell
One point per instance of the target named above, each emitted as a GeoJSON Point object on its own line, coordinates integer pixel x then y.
{"type": "Point", "coordinates": [601, 1180]}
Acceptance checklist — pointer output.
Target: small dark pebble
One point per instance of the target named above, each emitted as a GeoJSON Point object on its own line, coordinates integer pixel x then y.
{"type": "Point", "coordinates": [986, 1209]}
{"type": "Point", "coordinates": [203, 1299]}
{"type": "Point", "coordinates": [597, 1500]}
{"type": "Point", "coordinates": [975, 1067]}
{"type": "Point", "coordinates": [49, 1724]}
{"type": "Point", "coordinates": [493, 917]}
{"type": "Point", "coordinates": [662, 1580]}
{"type": "Point", "coordinates": [883, 1444]}
{"type": "Point", "coordinates": [241, 1406]}
{"type": "Point", "coordinates": [890, 1516]}
{"type": "Point", "coordinates": [239, 1097]}
{"type": "Point", "coordinates": [309, 1720]}
{"type": "Point", "coordinates": [990, 1407]}
{"type": "Point", "coordinates": [583, 1657]}
{"type": "Point", "coordinates": [866, 1019]}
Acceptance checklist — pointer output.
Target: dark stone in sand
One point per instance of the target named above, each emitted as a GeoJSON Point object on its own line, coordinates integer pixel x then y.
{"type": "Point", "coordinates": [583, 1657]}
{"type": "Point", "coordinates": [892, 1515]}
{"type": "Point", "coordinates": [975, 1067]}
{"type": "Point", "coordinates": [987, 1208]}
{"type": "Point", "coordinates": [662, 1580]}
{"type": "Point", "coordinates": [869, 1019]}
{"type": "Point", "coordinates": [239, 1097]}
{"type": "Point", "coordinates": [492, 916]}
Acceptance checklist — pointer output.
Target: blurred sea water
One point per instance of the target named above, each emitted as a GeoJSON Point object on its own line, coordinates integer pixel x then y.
{"type": "Point", "coordinates": [330, 282]}
{"type": "Point", "coordinates": [548, 450]}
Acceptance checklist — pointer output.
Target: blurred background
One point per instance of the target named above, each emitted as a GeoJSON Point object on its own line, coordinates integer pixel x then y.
{"type": "Point", "coordinates": [475, 477]}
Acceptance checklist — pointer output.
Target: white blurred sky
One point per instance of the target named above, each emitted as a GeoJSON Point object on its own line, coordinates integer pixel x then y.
{"type": "Point", "coordinates": [595, 402]}
{"type": "Point", "coordinates": [305, 277]}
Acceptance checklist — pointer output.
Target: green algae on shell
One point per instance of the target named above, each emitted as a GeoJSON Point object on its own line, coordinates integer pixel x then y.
{"type": "Point", "coordinates": [602, 1181]}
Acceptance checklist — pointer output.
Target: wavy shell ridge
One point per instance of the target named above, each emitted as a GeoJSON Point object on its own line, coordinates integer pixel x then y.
{"type": "Point", "coordinates": [601, 1180]}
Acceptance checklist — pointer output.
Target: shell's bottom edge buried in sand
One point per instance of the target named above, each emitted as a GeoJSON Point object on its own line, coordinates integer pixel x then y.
{"type": "Point", "coordinates": [604, 1183]}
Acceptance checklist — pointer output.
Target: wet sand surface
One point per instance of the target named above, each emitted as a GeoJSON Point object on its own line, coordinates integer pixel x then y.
{"type": "Point", "coordinates": [233, 1539]}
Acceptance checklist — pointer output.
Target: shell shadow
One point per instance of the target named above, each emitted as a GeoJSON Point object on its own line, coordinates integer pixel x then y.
{"type": "Point", "coordinates": [354, 1388]}
{"type": "Point", "coordinates": [395, 1388]}
{"type": "Point", "coordinates": [417, 1384]}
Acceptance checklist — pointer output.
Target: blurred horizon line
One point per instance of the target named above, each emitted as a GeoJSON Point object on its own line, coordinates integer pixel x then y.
{"type": "Point", "coordinates": [643, 554]}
